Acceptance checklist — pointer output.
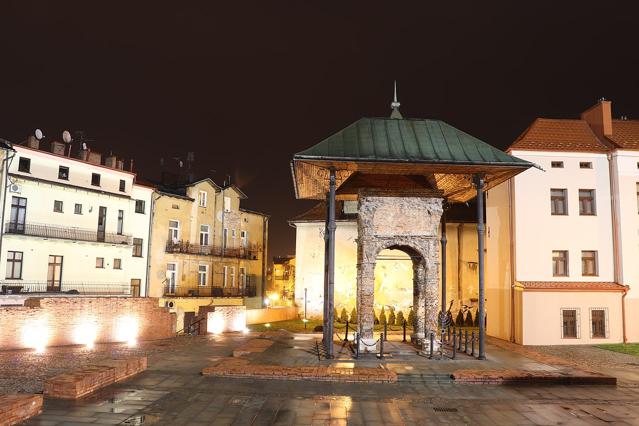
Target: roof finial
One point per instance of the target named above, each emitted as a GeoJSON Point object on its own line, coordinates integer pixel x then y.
{"type": "Point", "coordinates": [395, 104]}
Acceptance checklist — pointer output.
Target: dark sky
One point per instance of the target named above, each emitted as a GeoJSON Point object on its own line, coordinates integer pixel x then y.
{"type": "Point", "coordinates": [245, 85]}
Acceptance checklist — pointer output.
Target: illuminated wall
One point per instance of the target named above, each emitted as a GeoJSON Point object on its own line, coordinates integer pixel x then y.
{"type": "Point", "coordinates": [393, 271]}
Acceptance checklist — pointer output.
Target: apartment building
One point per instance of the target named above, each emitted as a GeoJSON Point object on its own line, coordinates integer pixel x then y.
{"type": "Point", "coordinates": [207, 249]}
{"type": "Point", "coordinates": [75, 224]}
{"type": "Point", "coordinates": [562, 240]}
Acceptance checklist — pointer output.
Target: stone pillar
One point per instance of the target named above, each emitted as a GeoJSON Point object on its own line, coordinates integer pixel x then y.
{"type": "Point", "coordinates": [365, 300]}
{"type": "Point", "coordinates": [419, 300]}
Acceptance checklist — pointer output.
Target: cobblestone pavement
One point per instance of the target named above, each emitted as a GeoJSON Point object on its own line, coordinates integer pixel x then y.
{"type": "Point", "coordinates": [173, 392]}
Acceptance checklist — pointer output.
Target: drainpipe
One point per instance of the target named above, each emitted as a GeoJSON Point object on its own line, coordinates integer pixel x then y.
{"type": "Point", "coordinates": [511, 226]}
{"type": "Point", "coordinates": [623, 312]}
{"type": "Point", "coordinates": [147, 282]}
{"type": "Point", "coordinates": [6, 162]}
{"type": "Point", "coordinates": [616, 254]}
{"type": "Point", "coordinates": [264, 254]}
{"type": "Point", "coordinates": [460, 244]}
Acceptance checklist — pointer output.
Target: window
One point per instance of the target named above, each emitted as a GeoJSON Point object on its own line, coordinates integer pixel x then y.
{"type": "Point", "coordinates": [95, 179]}
{"type": "Point", "coordinates": [202, 199]}
{"type": "Point", "coordinates": [232, 276]}
{"type": "Point", "coordinates": [202, 275]}
{"type": "Point", "coordinates": [227, 204]}
{"type": "Point", "coordinates": [225, 238]}
{"type": "Point", "coordinates": [637, 196]}
{"type": "Point", "coordinates": [136, 283]}
{"type": "Point", "coordinates": [99, 262]}
{"type": "Point", "coordinates": [233, 234]}
{"type": "Point", "coordinates": [585, 165]}
{"type": "Point", "coordinates": [558, 201]}
{"type": "Point", "coordinates": [244, 238]}
{"type": "Point", "coordinates": [24, 165]}
{"type": "Point", "coordinates": [77, 209]}
{"type": "Point", "coordinates": [589, 263]}
{"type": "Point", "coordinates": [226, 276]}
{"type": "Point", "coordinates": [557, 164]}
{"type": "Point", "coordinates": [569, 323]}
{"type": "Point", "coordinates": [242, 277]}
{"type": "Point", "coordinates": [57, 206]}
{"type": "Point", "coordinates": [14, 265]}
{"type": "Point", "coordinates": [587, 202]}
{"type": "Point", "coordinates": [120, 222]}
{"type": "Point", "coordinates": [63, 173]}
{"type": "Point", "coordinates": [175, 206]}
{"type": "Point", "coordinates": [598, 323]}
{"type": "Point", "coordinates": [137, 247]}
{"type": "Point", "coordinates": [139, 206]}
{"type": "Point", "coordinates": [560, 263]}
{"type": "Point", "coordinates": [117, 263]}
{"type": "Point", "coordinates": [54, 272]}
{"type": "Point", "coordinates": [204, 235]}
{"type": "Point", "coordinates": [171, 277]}
{"type": "Point", "coordinates": [18, 214]}
{"type": "Point", "coordinates": [174, 231]}
{"type": "Point", "coordinates": [122, 185]}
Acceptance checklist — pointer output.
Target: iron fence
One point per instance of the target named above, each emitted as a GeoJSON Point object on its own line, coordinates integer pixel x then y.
{"type": "Point", "coordinates": [208, 291]}
{"type": "Point", "coordinates": [66, 233]}
{"type": "Point", "coordinates": [211, 250]}
{"type": "Point", "coordinates": [65, 287]}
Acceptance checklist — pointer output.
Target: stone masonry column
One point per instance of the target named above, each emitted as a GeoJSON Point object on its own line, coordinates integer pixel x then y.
{"type": "Point", "coordinates": [365, 300]}
{"type": "Point", "coordinates": [419, 300]}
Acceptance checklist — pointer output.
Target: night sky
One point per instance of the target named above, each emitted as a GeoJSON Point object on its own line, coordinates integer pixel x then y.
{"type": "Point", "coordinates": [245, 85]}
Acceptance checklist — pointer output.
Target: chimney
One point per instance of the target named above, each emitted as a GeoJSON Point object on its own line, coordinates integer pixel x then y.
{"type": "Point", "coordinates": [58, 147]}
{"type": "Point", "coordinates": [599, 118]}
{"type": "Point", "coordinates": [131, 165]}
{"type": "Point", "coordinates": [95, 157]}
{"type": "Point", "coordinates": [33, 142]}
{"type": "Point", "coordinates": [111, 161]}
{"type": "Point", "coordinates": [83, 155]}
{"type": "Point", "coordinates": [120, 164]}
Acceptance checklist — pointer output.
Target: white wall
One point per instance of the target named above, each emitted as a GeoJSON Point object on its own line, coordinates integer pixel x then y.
{"type": "Point", "coordinates": [538, 232]}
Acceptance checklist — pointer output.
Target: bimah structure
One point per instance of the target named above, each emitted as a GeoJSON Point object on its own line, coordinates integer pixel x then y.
{"type": "Point", "coordinates": [401, 172]}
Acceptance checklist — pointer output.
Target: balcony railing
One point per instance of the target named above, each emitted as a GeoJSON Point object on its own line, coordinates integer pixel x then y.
{"type": "Point", "coordinates": [66, 233]}
{"type": "Point", "coordinates": [76, 287]}
{"type": "Point", "coordinates": [208, 291]}
{"type": "Point", "coordinates": [189, 248]}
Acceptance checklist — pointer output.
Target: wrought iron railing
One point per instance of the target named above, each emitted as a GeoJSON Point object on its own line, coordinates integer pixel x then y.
{"type": "Point", "coordinates": [210, 250]}
{"type": "Point", "coordinates": [65, 287]}
{"type": "Point", "coordinates": [208, 291]}
{"type": "Point", "coordinates": [65, 233]}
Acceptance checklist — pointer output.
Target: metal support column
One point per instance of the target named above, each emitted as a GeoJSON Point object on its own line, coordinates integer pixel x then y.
{"type": "Point", "coordinates": [444, 241]}
{"type": "Point", "coordinates": [479, 183]}
{"type": "Point", "coordinates": [327, 315]}
{"type": "Point", "coordinates": [331, 262]}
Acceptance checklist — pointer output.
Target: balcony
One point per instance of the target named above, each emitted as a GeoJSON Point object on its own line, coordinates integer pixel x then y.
{"type": "Point", "coordinates": [66, 233]}
{"type": "Point", "coordinates": [208, 291]}
{"type": "Point", "coordinates": [75, 287]}
{"type": "Point", "coordinates": [188, 248]}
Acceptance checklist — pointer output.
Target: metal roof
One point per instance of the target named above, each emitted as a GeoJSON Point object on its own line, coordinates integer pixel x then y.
{"type": "Point", "coordinates": [407, 140]}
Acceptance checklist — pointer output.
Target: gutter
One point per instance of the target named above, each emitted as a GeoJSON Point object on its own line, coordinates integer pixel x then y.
{"type": "Point", "coordinates": [522, 164]}
{"type": "Point", "coordinates": [147, 283]}
{"type": "Point", "coordinates": [623, 313]}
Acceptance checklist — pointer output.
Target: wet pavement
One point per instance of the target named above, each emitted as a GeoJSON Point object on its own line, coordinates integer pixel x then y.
{"type": "Point", "coordinates": [172, 392]}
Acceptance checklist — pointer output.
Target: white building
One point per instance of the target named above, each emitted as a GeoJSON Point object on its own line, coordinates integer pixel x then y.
{"type": "Point", "coordinates": [78, 224]}
{"type": "Point", "coordinates": [563, 242]}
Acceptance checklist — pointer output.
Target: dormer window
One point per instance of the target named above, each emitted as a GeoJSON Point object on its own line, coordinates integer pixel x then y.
{"type": "Point", "coordinates": [557, 164]}
{"type": "Point", "coordinates": [24, 165]}
{"type": "Point", "coordinates": [95, 179]}
{"type": "Point", "coordinates": [122, 185]}
{"type": "Point", "coordinates": [63, 173]}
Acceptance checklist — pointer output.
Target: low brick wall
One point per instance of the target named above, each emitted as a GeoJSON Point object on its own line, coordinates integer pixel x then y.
{"type": "Point", "coordinates": [521, 377]}
{"type": "Point", "coordinates": [16, 408]}
{"type": "Point", "coordinates": [84, 381]}
{"type": "Point", "coordinates": [58, 321]}
{"type": "Point", "coordinates": [260, 316]}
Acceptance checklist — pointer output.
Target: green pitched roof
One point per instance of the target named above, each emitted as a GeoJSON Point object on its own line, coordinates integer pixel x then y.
{"type": "Point", "coordinates": [407, 140]}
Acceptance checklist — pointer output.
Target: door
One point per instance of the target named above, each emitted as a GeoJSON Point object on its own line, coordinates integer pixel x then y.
{"type": "Point", "coordinates": [101, 223]}
{"type": "Point", "coordinates": [54, 274]}
{"type": "Point", "coordinates": [18, 214]}
{"type": "Point", "coordinates": [136, 283]}
{"type": "Point", "coordinates": [171, 277]}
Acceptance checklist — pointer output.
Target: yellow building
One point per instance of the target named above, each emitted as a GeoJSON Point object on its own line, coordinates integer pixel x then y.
{"type": "Point", "coordinates": [282, 287]}
{"type": "Point", "coordinates": [205, 249]}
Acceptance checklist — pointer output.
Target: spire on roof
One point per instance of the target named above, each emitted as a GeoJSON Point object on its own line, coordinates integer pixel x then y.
{"type": "Point", "coordinates": [395, 104]}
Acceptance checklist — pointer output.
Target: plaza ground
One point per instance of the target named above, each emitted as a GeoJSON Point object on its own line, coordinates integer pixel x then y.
{"type": "Point", "coordinates": [173, 392]}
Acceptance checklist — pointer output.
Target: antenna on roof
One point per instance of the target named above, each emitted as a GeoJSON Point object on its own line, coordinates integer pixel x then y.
{"type": "Point", "coordinates": [66, 137]}
{"type": "Point", "coordinates": [395, 104]}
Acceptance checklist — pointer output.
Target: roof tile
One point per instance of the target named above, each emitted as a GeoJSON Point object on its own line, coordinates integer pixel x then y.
{"type": "Point", "coordinates": [575, 286]}
{"type": "Point", "coordinates": [625, 134]}
{"type": "Point", "coordinates": [546, 134]}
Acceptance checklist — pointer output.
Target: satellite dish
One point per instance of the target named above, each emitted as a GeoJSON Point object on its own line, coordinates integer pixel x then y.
{"type": "Point", "coordinates": [84, 146]}
{"type": "Point", "coordinates": [38, 134]}
{"type": "Point", "coordinates": [66, 136]}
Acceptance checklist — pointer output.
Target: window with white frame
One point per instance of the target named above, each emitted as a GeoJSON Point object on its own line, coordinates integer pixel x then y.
{"type": "Point", "coordinates": [14, 265]}
{"type": "Point", "coordinates": [203, 275]}
{"type": "Point", "coordinates": [204, 235]}
{"type": "Point", "coordinates": [171, 277]}
{"type": "Point", "coordinates": [598, 323]}
{"type": "Point", "coordinates": [226, 276]}
{"type": "Point", "coordinates": [174, 231]}
{"type": "Point", "coordinates": [589, 263]}
{"type": "Point", "coordinates": [202, 199]}
{"type": "Point", "coordinates": [560, 263]}
{"type": "Point", "coordinates": [227, 204]}
{"type": "Point", "coordinates": [244, 238]}
{"type": "Point", "coordinates": [242, 277]}
{"type": "Point", "coordinates": [232, 280]}
{"type": "Point", "coordinates": [570, 323]}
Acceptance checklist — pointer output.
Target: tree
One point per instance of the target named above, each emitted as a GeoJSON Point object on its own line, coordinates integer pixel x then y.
{"type": "Point", "coordinates": [469, 319]}
{"type": "Point", "coordinates": [343, 316]}
{"type": "Point", "coordinates": [459, 321]}
{"type": "Point", "coordinates": [335, 315]}
{"type": "Point", "coordinates": [354, 316]}
{"type": "Point", "coordinates": [399, 320]}
{"type": "Point", "coordinates": [382, 316]}
{"type": "Point", "coordinates": [375, 319]}
{"type": "Point", "coordinates": [391, 317]}
{"type": "Point", "coordinates": [411, 317]}
{"type": "Point", "coordinates": [476, 322]}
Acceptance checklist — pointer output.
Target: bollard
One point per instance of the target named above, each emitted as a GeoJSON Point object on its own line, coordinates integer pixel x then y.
{"type": "Point", "coordinates": [441, 347]}
{"type": "Point", "coordinates": [472, 344]}
{"type": "Point", "coordinates": [356, 345]}
{"type": "Point", "coordinates": [404, 326]}
{"type": "Point", "coordinates": [385, 330]}
{"type": "Point", "coordinates": [454, 345]}
{"type": "Point", "coordinates": [459, 341]}
{"type": "Point", "coordinates": [465, 341]}
{"type": "Point", "coordinates": [432, 343]}
{"type": "Point", "coordinates": [346, 335]}
{"type": "Point", "coordinates": [381, 348]}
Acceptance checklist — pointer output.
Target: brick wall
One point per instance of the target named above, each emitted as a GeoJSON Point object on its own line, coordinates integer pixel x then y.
{"type": "Point", "coordinates": [76, 320]}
